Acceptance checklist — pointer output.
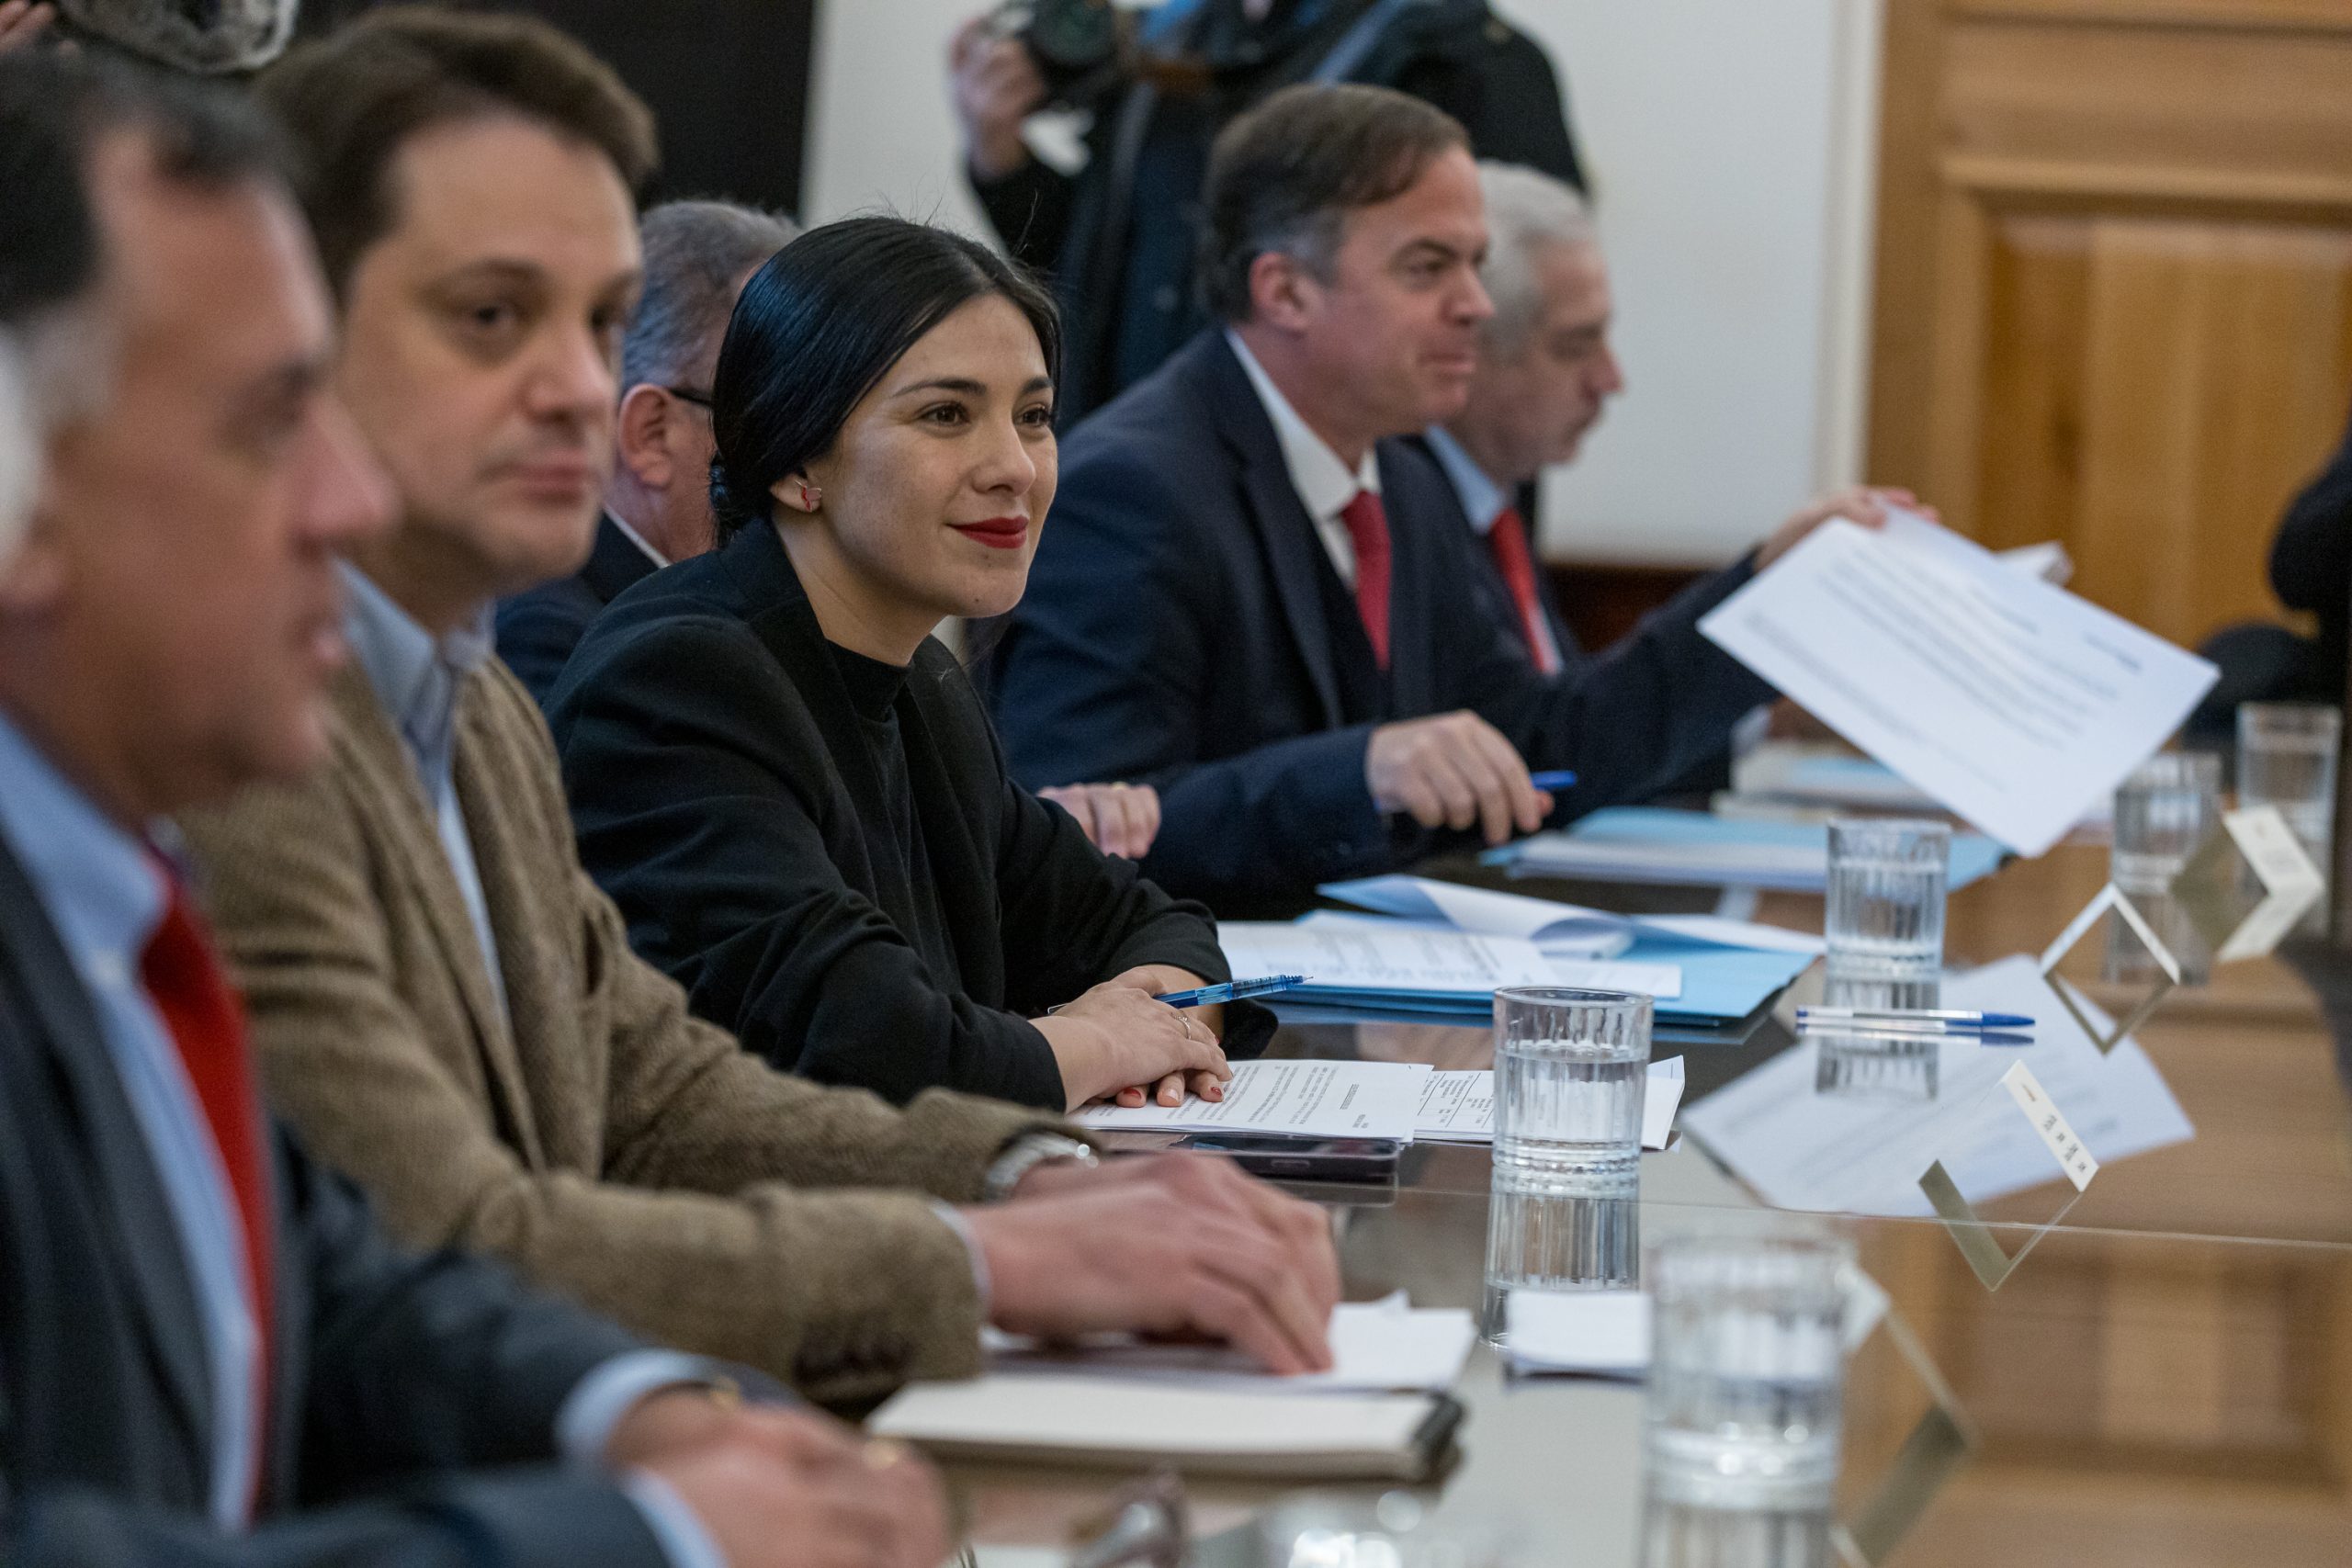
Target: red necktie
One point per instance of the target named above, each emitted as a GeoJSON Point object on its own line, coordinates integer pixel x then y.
{"type": "Point", "coordinates": [1508, 539]}
{"type": "Point", "coordinates": [184, 979]}
{"type": "Point", "coordinates": [1368, 532]}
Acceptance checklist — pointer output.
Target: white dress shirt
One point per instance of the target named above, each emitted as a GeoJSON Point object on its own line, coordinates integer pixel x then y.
{"type": "Point", "coordinates": [1325, 484]}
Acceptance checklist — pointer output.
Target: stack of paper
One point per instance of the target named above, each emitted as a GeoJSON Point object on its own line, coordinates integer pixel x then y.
{"type": "Point", "coordinates": [1606, 1334]}
{"type": "Point", "coordinates": [1403, 1101]}
{"type": "Point", "coordinates": [1288, 1098]}
{"type": "Point", "coordinates": [1383, 1347]}
{"type": "Point", "coordinates": [1458, 1106]}
{"type": "Point", "coordinates": [1395, 964]}
{"type": "Point", "coordinates": [1642, 843]}
{"type": "Point", "coordinates": [2015, 703]}
{"type": "Point", "coordinates": [1380, 1411]}
{"type": "Point", "coordinates": [1827, 776]}
{"type": "Point", "coordinates": [1562, 930]}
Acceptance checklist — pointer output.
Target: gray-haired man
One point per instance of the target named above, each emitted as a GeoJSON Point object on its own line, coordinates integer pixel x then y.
{"type": "Point", "coordinates": [698, 255]}
{"type": "Point", "coordinates": [1546, 372]}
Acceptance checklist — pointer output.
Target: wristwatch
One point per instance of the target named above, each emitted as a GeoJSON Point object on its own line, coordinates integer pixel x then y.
{"type": "Point", "coordinates": [1028, 1152]}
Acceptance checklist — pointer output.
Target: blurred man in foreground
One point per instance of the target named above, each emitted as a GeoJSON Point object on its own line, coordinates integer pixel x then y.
{"type": "Point", "coordinates": [209, 1354]}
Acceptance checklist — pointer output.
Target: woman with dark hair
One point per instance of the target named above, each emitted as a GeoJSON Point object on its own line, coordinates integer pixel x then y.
{"type": "Point", "coordinates": [789, 785]}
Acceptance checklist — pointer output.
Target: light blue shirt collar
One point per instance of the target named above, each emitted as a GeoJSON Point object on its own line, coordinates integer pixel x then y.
{"type": "Point", "coordinates": [417, 676]}
{"type": "Point", "coordinates": [1482, 498]}
{"type": "Point", "coordinates": [98, 882]}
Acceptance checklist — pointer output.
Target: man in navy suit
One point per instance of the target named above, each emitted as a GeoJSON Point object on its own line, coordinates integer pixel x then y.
{"type": "Point", "coordinates": [698, 255]}
{"type": "Point", "coordinates": [210, 1355]}
{"type": "Point", "coordinates": [1254, 597]}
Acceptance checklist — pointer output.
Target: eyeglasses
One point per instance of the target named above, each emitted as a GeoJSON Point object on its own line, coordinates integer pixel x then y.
{"type": "Point", "coordinates": [687, 394]}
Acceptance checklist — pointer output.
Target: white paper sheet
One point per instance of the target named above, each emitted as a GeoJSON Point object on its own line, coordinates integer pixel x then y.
{"type": "Point", "coordinates": [1375, 954]}
{"type": "Point", "coordinates": [1388, 1345]}
{"type": "Point", "coordinates": [1561, 930]}
{"type": "Point", "coordinates": [2014, 703]}
{"type": "Point", "coordinates": [1289, 1097]}
{"type": "Point", "coordinates": [1458, 1106]}
{"type": "Point", "coordinates": [1607, 1332]}
{"type": "Point", "coordinates": [1804, 1149]}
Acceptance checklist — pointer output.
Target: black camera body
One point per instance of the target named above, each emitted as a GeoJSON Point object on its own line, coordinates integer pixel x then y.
{"type": "Point", "coordinates": [1083, 48]}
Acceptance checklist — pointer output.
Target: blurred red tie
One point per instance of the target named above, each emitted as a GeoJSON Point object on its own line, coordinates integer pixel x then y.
{"type": "Point", "coordinates": [1368, 532]}
{"type": "Point", "coordinates": [1508, 539]}
{"type": "Point", "coordinates": [185, 981]}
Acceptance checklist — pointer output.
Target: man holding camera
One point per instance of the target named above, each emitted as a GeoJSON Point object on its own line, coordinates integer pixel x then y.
{"type": "Point", "coordinates": [1119, 237]}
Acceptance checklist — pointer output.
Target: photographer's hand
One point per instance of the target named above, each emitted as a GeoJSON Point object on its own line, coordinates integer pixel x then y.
{"type": "Point", "coordinates": [997, 86]}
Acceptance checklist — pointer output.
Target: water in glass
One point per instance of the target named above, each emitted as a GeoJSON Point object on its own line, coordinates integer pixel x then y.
{"type": "Point", "coordinates": [1885, 917]}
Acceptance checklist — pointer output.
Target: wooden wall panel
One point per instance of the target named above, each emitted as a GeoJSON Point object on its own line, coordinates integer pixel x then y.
{"type": "Point", "coordinates": [2115, 282]}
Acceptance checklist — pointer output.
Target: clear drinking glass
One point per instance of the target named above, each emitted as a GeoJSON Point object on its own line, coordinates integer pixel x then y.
{"type": "Point", "coordinates": [1886, 897]}
{"type": "Point", "coordinates": [1395, 1531]}
{"type": "Point", "coordinates": [2164, 811]}
{"type": "Point", "coordinates": [1571, 1069]}
{"type": "Point", "coordinates": [2287, 757]}
{"type": "Point", "coordinates": [1748, 1368]}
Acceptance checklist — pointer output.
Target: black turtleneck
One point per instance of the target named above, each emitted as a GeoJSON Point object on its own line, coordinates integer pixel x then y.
{"type": "Point", "coordinates": [906, 880]}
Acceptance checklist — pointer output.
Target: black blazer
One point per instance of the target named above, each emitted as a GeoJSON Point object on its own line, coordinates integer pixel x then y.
{"type": "Point", "coordinates": [539, 628]}
{"type": "Point", "coordinates": [1179, 630]}
{"type": "Point", "coordinates": [716, 765]}
{"type": "Point", "coordinates": [386, 1365]}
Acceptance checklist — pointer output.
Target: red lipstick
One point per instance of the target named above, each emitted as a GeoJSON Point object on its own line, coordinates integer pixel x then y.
{"type": "Point", "coordinates": [997, 532]}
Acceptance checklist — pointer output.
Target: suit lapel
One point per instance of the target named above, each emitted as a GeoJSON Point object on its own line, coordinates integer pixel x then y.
{"type": "Point", "coordinates": [1413, 491]}
{"type": "Point", "coordinates": [149, 1243]}
{"type": "Point", "coordinates": [1284, 530]}
{"type": "Point", "coordinates": [390, 776]}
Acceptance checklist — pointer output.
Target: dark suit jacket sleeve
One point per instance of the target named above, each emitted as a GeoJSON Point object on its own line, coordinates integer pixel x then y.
{"type": "Point", "coordinates": [1030, 210]}
{"type": "Point", "coordinates": [1092, 687]}
{"type": "Point", "coordinates": [2311, 562]}
{"type": "Point", "coordinates": [529, 1518]}
{"type": "Point", "coordinates": [1628, 722]}
{"type": "Point", "coordinates": [698, 782]}
{"type": "Point", "coordinates": [424, 1361]}
{"type": "Point", "coordinates": [537, 631]}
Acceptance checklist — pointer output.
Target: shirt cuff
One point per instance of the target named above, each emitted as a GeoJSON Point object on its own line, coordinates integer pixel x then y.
{"type": "Point", "coordinates": [597, 1404]}
{"type": "Point", "coordinates": [679, 1530]}
{"type": "Point", "coordinates": [955, 1222]}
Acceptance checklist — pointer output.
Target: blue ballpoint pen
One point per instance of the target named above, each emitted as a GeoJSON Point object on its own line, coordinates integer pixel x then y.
{"type": "Point", "coordinates": [1231, 991]}
{"type": "Point", "coordinates": [1561, 779]}
{"type": "Point", "coordinates": [1915, 1017]}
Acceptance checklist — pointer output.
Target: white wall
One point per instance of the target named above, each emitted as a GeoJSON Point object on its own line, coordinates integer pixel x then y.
{"type": "Point", "coordinates": [1730, 146]}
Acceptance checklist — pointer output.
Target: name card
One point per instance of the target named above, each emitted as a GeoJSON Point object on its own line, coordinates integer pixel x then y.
{"type": "Point", "coordinates": [2043, 1112]}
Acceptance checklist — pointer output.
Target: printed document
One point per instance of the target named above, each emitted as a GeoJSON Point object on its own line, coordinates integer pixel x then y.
{"type": "Point", "coordinates": [2016, 704]}
{"type": "Point", "coordinates": [1368, 959]}
{"type": "Point", "coordinates": [1459, 1107]}
{"type": "Point", "coordinates": [1292, 1098]}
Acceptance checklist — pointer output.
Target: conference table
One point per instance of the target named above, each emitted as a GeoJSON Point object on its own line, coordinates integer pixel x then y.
{"type": "Point", "coordinates": [2163, 1377]}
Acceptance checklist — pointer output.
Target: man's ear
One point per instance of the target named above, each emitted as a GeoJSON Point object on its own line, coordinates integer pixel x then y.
{"type": "Point", "coordinates": [1283, 291]}
{"type": "Point", "coordinates": [643, 437]}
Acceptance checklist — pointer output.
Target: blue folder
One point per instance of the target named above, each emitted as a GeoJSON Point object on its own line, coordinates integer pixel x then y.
{"type": "Point", "coordinates": [1683, 839]}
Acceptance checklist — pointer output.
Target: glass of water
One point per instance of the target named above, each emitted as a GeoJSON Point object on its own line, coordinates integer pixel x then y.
{"type": "Point", "coordinates": [2164, 811]}
{"type": "Point", "coordinates": [1748, 1368]}
{"type": "Point", "coordinates": [1571, 1070]}
{"type": "Point", "coordinates": [2287, 757]}
{"type": "Point", "coordinates": [1886, 898]}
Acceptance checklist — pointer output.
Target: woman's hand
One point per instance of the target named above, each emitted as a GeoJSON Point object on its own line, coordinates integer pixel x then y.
{"type": "Point", "coordinates": [1119, 1035]}
{"type": "Point", "coordinates": [1119, 819]}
